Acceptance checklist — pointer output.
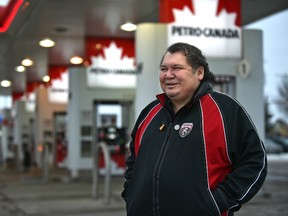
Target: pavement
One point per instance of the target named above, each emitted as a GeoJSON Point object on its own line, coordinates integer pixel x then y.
{"type": "Point", "coordinates": [24, 195]}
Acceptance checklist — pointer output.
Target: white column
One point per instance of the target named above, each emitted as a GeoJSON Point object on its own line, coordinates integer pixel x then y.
{"type": "Point", "coordinates": [6, 153]}
{"type": "Point", "coordinates": [151, 43]}
{"type": "Point", "coordinates": [75, 85]}
{"type": "Point", "coordinates": [250, 91]}
{"type": "Point", "coordinates": [18, 130]}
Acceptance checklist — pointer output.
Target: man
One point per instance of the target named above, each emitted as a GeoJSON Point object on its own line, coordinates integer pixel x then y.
{"type": "Point", "coordinates": [194, 151]}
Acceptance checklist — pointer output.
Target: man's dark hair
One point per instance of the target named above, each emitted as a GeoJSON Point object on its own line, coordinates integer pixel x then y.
{"type": "Point", "coordinates": [194, 57]}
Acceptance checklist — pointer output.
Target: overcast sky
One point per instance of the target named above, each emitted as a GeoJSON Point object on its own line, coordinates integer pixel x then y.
{"type": "Point", "coordinates": [275, 48]}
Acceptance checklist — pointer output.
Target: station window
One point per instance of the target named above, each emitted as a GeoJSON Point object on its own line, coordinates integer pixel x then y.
{"type": "Point", "coordinates": [225, 84]}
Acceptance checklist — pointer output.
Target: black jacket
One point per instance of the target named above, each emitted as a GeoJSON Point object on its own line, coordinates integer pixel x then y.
{"type": "Point", "coordinates": [207, 159]}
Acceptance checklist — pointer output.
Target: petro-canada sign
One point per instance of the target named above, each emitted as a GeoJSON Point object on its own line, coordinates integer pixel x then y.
{"type": "Point", "coordinates": [112, 70]}
{"type": "Point", "coordinates": [208, 26]}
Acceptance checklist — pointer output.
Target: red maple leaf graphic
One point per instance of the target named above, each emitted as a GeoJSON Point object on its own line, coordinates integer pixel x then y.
{"type": "Point", "coordinates": [230, 7]}
{"type": "Point", "coordinates": [167, 6]}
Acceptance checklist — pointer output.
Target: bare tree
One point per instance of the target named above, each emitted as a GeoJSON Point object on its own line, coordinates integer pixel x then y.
{"type": "Point", "coordinates": [268, 116]}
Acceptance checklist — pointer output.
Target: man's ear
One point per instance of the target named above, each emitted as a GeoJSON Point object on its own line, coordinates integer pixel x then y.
{"type": "Point", "coordinates": [200, 72]}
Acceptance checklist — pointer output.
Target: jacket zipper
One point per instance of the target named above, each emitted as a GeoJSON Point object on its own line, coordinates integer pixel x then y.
{"type": "Point", "coordinates": [156, 173]}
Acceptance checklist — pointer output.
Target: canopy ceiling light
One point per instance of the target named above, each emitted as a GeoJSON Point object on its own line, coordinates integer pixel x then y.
{"type": "Point", "coordinates": [27, 62]}
{"type": "Point", "coordinates": [5, 83]}
{"type": "Point", "coordinates": [47, 42]}
{"type": "Point", "coordinates": [46, 78]}
{"type": "Point", "coordinates": [76, 60]}
{"type": "Point", "coordinates": [128, 27]}
{"type": "Point", "coordinates": [20, 69]}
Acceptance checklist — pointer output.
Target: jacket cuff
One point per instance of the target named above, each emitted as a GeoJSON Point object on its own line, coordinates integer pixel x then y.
{"type": "Point", "coordinates": [220, 200]}
{"type": "Point", "coordinates": [123, 195]}
{"type": "Point", "coordinates": [223, 201]}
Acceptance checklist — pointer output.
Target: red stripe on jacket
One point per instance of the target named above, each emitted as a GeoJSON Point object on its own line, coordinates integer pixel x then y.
{"type": "Point", "coordinates": [143, 125]}
{"type": "Point", "coordinates": [217, 159]}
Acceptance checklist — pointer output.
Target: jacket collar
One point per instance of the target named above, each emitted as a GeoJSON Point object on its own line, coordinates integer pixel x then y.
{"type": "Point", "coordinates": [204, 88]}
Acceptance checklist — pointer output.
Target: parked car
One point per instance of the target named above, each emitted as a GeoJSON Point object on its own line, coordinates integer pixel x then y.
{"type": "Point", "coordinates": [282, 141]}
{"type": "Point", "coordinates": [272, 147]}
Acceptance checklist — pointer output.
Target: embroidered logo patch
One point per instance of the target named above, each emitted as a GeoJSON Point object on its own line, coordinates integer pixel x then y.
{"type": "Point", "coordinates": [185, 129]}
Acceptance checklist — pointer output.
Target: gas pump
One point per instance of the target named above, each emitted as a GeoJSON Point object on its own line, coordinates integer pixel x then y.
{"type": "Point", "coordinates": [109, 150]}
{"type": "Point", "coordinates": [60, 146]}
{"type": "Point", "coordinates": [112, 130]}
{"type": "Point", "coordinates": [114, 137]}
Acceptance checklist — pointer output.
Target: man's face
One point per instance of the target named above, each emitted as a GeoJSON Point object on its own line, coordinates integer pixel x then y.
{"type": "Point", "coordinates": [178, 80]}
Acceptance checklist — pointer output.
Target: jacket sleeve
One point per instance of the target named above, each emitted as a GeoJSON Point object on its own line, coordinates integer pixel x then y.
{"type": "Point", "coordinates": [129, 169]}
{"type": "Point", "coordinates": [249, 165]}
{"type": "Point", "coordinates": [130, 161]}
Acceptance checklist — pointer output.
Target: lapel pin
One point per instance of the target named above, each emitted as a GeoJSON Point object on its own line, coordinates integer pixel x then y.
{"type": "Point", "coordinates": [162, 127]}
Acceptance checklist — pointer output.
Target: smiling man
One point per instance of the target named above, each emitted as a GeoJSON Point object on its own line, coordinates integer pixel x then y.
{"type": "Point", "coordinates": [194, 151]}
